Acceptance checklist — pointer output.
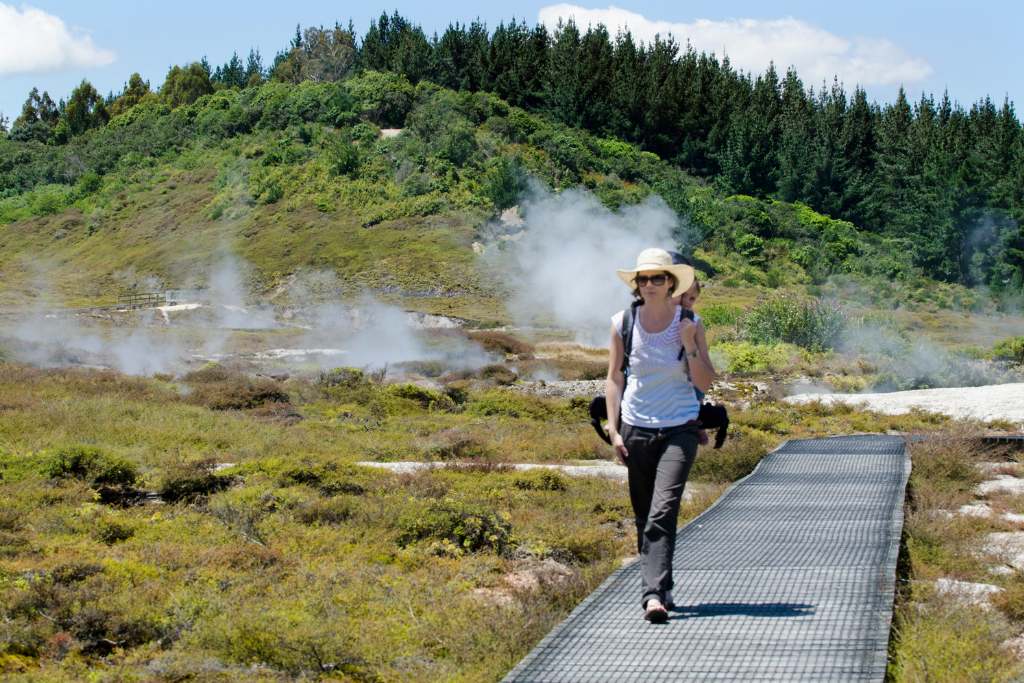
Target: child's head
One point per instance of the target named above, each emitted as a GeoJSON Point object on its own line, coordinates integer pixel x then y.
{"type": "Point", "coordinates": [689, 297]}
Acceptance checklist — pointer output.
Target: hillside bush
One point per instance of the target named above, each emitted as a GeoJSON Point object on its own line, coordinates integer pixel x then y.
{"type": "Point", "coordinates": [720, 315]}
{"type": "Point", "coordinates": [783, 316]}
{"type": "Point", "coordinates": [1011, 348]}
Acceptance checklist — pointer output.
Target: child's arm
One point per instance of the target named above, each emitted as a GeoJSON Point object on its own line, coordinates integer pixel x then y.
{"type": "Point", "coordinates": [702, 344]}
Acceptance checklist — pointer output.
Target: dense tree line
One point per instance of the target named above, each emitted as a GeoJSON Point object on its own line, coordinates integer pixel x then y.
{"type": "Point", "coordinates": [948, 179]}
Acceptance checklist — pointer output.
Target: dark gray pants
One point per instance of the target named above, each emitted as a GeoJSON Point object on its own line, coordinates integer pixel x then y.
{"type": "Point", "coordinates": [659, 462]}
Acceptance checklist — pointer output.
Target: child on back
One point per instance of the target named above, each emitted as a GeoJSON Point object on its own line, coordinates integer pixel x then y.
{"type": "Point", "coordinates": [687, 300]}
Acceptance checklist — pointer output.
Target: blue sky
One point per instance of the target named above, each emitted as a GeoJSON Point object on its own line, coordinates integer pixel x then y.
{"type": "Point", "coordinates": [927, 46]}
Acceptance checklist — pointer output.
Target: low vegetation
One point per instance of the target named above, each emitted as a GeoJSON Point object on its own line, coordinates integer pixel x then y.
{"type": "Point", "coordinates": [145, 532]}
{"type": "Point", "coordinates": [941, 542]}
{"type": "Point", "coordinates": [240, 541]}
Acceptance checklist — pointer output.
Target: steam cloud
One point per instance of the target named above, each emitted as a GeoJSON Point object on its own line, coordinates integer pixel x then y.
{"type": "Point", "coordinates": [568, 258]}
{"type": "Point", "coordinates": [374, 333]}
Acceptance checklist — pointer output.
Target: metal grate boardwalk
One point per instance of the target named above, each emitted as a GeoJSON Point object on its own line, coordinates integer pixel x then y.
{"type": "Point", "coordinates": [788, 576]}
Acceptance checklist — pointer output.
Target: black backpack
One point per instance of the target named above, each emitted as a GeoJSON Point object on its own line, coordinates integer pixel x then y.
{"type": "Point", "coordinates": [710, 417]}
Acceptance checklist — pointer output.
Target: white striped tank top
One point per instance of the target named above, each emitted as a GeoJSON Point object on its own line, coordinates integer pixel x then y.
{"type": "Point", "coordinates": [658, 392]}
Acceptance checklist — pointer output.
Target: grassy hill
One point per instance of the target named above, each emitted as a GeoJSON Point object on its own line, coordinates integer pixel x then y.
{"type": "Point", "coordinates": [300, 177]}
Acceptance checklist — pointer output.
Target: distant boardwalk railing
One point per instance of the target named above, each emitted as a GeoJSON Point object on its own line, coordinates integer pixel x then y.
{"type": "Point", "coordinates": [140, 300]}
{"type": "Point", "coordinates": [182, 296]}
{"type": "Point", "coordinates": [789, 576]}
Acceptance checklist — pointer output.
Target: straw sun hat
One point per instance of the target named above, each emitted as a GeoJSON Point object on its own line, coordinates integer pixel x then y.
{"type": "Point", "coordinates": [659, 259]}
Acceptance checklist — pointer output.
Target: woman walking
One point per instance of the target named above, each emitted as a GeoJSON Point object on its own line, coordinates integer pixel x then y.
{"type": "Point", "coordinates": [656, 438]}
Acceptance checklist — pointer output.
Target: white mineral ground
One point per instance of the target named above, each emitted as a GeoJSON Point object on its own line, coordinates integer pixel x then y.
{"type": "Point", "coordinates": [993, 402]}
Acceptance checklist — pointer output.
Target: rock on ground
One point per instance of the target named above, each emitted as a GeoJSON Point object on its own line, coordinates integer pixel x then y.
{"type": "Point", "coordinates": [1002, 483]}
{"type": "Point", "coordinates": [976, 594]}
{"type": "Point", "coordinates": [1008, 545]}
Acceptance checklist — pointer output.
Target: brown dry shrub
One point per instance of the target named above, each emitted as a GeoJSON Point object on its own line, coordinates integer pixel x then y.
{"type": "Point", "coordinates": [334, 510]}
{"type": "Point", "coordinates": [499, 374]}
{"type": "Point", "coordinates": [1010, 601]}
{"type": "Point", "coordinates": [574, 369]}
{"type": "Point", "coordinates": [423, 484]}
{"type": "Point", "coordinates": [237, 393]}
{"type": "Point", "coordinates": [457, 376]}
{"type": "Point", "coordinates": [205, 375]}
{"type": "Point", "coordinates": [246, 557]}
{"type": "Point", "coordinates": [501, 342]}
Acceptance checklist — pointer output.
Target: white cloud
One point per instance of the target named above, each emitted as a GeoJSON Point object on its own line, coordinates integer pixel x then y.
{"type": "Point", "coordinates": [32, 42]}
{"type": "Point", "coordinates": [752, 43]}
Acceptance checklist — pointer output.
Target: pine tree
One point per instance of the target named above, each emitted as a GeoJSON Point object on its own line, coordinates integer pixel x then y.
{"type": "Point", "coordinates": [663, 88]}
{"type": "Point", "coordinates": [796, 140]}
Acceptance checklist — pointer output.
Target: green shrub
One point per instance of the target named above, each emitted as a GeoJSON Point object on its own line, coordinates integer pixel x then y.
{"type": "Point", "coordinates": [425, 368]}
{"type": "Point", "coordinates": [459, 395]}
{"type": "Point", "coordinates": [720, 315]}
{"type": "Point", "coordinates": [747, 357]}
{"type": "Point", "coordinates": [89, 462]}
{"type": "Point", "coordinates": [342, 377]}
{"type": "Point", "coordinates": [326, 511]}
{"type": "Point", "coordinates": [509, 404]}
{"type": "Point", "coordinates": [73, 462]}
{"type": "Point", "coordinates": [110, 532]}
{"type": "Point", "coordinates": [735, 460]}
{"type": "Point", "coordinates": [540, 479]}
{"type": "Point", "coordinates": [784, 317]}
{"type": "Point", "coordinates": [467, 529]}
{"type": "Point", "coordinates": [114, 471]}
{"type": "Point", "coordinates": [330, 478]}
{"type": "Point", "coordinates": [464, 448]}
{"type": "Point", "coordinates": [211, 372]}
{"type": "Point", "coordinates": [1011, 348]}
{"type": "Point", "coordinates": [571, 369]}
{"type": "Point", "coordinates": [89, 183]}
{"type": "Point", "coordinates": [190, 481]}
{"type": "Point", "coordinates": [413, 392]}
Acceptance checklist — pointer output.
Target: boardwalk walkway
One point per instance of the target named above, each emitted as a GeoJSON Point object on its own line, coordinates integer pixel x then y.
{"type": "Point", "coordinates": [788, 577]}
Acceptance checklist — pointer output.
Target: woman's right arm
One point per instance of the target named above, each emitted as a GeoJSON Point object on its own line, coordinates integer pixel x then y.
{"type": "Point", "coordinates": [613, 388]}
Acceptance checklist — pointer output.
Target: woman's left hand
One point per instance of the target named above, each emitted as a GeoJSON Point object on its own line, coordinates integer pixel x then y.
{"type": "Point", "coordinates": [688, 331]}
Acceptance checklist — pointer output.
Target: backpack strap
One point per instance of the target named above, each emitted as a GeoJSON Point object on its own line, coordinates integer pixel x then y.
{"type": "Point", "coordinates": [688, 314]}
{"type": "Point", "coordinates": [628, 318]}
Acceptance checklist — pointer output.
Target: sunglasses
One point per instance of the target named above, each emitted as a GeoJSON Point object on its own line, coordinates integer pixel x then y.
{"type": "Point", "coordinates": [656, 280]}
